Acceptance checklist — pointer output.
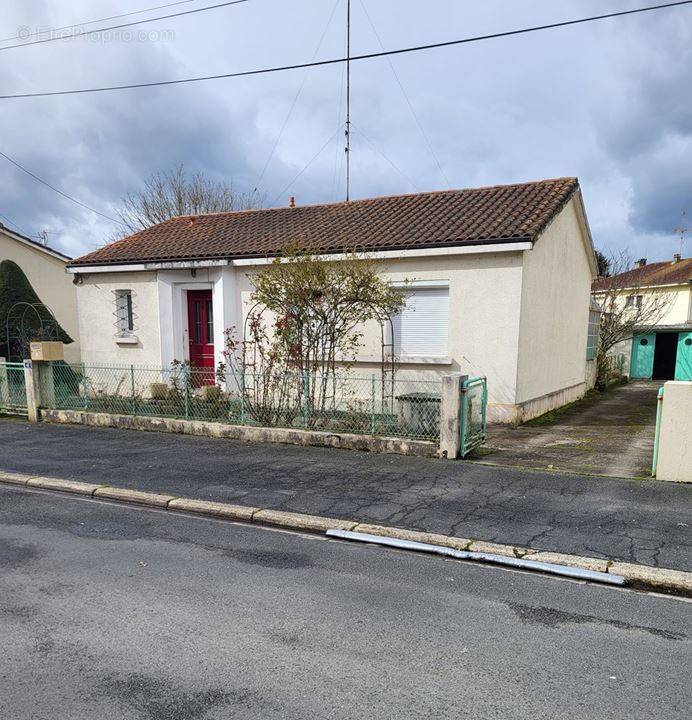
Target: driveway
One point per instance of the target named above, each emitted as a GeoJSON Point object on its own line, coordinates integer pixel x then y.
{"type": "Point", "coordinates": [645, 521]}
{"type": "Point", "coordinates": [609, 433]}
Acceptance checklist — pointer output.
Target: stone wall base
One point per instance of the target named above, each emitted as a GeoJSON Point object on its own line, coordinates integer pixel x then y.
{"type": "Point", "coordinates": [246, 433]}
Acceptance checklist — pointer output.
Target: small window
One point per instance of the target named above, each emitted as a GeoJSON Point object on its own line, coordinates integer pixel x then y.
{"type": "Point", "coordinates": [634, 301]}
{"type": "Point", "coordinates": [421, 329]}
{"type": "Point", "coordinates": [594, 331]}
{"type": "Point", "coordinates": [124, 313]}
{"type": "Point", "coordinates": [644, 341]}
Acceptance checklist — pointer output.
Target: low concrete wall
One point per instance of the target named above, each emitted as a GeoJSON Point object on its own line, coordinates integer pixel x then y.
{"type": "Point", "coordinates": [521, 412]}
{"type": "Point", "coordinates": [246, 433]}
{"type": "Point", "coordinates": [675, 439]}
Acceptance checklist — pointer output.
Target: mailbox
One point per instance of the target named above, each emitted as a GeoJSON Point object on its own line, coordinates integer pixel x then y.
{"type": "Point", "coordinates": [46, 351]}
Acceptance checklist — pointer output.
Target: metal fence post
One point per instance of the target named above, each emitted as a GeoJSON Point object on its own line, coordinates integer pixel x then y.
{"type": "Point", "coordinates": [186, 391]}
{"type": "Point", "coordinates": [306, 389]}
{"type": "Point", "coordinates": [86, 389]}
{"type": "Point", "coordinates": [133, 403]}
{"type": "Point", "coordinates": [242, 396]}
{"type": "Point", "coordinates": [657, 431]}
{"type": "Point", "coordinates": [373, 424]}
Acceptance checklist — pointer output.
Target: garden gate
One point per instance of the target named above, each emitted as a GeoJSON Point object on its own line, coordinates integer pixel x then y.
{"type": "Point", "coordinates": [472, 423]}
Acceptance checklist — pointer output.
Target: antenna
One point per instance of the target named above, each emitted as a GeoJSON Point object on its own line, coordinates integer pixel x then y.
{"type": "Point", "coordinates": [682, 230]}
{"type": "Point", "coordinates": [348, 100]}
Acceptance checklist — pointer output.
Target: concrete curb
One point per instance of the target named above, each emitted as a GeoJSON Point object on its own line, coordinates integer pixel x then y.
{"type": "Point", "coordinates": [639, 576]}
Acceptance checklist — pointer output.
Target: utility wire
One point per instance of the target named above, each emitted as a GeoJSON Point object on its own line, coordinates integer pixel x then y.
{"type": "Point", "coordinates": [111, 17]}
{"type": "Point", "coordinates": [312, 160]}
{"type": "Point", "coordinates": [54, 189]}
{"type": "Point", "coordinates": [295, 101]}
{"type": "Point", "coordinates": [426, 139]}
{"type": "Point", "coordinates": [122, 25]}
{"type": "Point", "coordinates": [382, 154]}
{"type": "Point", "coordinates": [12, 222]}
{"type": "Point", "coordinates": [367, 56]}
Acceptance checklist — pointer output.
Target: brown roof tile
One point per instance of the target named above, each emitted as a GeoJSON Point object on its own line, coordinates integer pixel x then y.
{"type": "Point", "coordinates": [658, 273]}
{"type": "Point", "coordinates": [501, 213]}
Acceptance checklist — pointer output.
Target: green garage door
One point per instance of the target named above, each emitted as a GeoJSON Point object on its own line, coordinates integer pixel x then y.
{"type": "Point", "coordinates": [683, 361]}
{"type": "Point", "coordinates": [642, 362]}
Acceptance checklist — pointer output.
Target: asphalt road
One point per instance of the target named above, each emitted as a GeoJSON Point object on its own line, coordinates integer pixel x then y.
{"type": "Point", "coordinates": [117, 612]}
{"type": "Point", "coordinates": [633, 520]}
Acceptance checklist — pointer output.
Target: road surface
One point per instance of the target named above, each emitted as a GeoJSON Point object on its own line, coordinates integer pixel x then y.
{"type": "Point", "coordinates": [111, 611]}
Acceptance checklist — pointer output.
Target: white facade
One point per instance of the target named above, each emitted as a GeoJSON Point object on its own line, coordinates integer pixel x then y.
{"type": "Point", "coordinates": [45, 270]}
{"type": "Point", "coordinates": [675, 314]}
{"type": "Point", "coordinates": [516, 313]}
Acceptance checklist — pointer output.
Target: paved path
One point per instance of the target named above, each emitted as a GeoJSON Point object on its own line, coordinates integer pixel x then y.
{"type": "Point", "coordinates": [639, 521]}
{"type": "Point", "coordinates": [132, 614]}
{"type": "Point", "coordinates": [605, 434]}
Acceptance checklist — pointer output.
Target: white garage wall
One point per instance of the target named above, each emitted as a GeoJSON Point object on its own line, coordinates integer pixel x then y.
{"type": "Point", "coordinates": [555, 310]}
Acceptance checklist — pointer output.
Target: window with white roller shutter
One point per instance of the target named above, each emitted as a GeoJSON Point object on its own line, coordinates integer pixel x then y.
{"type": "Point", "coordinates": [421, 330]}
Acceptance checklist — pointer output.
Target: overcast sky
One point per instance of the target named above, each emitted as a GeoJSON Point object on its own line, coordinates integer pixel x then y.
{"type": "Point", "coordinates": [609, 102]}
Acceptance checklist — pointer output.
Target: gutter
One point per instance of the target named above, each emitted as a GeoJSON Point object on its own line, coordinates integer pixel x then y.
{"type": "Point", "coordinates": [468, 248]}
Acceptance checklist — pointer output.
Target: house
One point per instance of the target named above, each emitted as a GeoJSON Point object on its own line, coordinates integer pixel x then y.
{"type": "Point", "coordinates": [44, 268]}
{"type": "Point", "coordinates": [660, 295]}
{"type": "Point", "coordinates": [498, 282]}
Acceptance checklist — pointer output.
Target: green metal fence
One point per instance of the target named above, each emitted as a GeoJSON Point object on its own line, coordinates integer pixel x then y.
{"type": "Point", "coordinates": [12, 389]}
{"type": "Point", "coordinates": [657, 430]}
{"type": "Point", "coordinates": [403, 407]}
{"type": "Point", "coordinates": [472, 423]}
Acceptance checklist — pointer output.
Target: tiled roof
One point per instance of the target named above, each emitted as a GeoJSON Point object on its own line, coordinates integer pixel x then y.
{"type": "Point", "coordinates": [658, 273]}
{"type": "Point", "coordinates": [501, 213]}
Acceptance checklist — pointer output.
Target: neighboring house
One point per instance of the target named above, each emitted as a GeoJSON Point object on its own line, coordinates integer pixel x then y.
{"type": "Point", "coordinates": [45, 270]}
{"type": "Point", "coordinates": [498, 280]}
{"type": "Point", "coordinates": [662, 347]}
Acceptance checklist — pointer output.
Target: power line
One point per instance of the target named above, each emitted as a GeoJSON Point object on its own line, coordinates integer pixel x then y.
{"type": "Point", "coordinates": [353, 58]}
{"type": "Point", "coordinates": [295, 101]}
{"type": "Point", "coordinates": [388, 159]}
{"type": "Point", "coordinates": [408, 100]}
{"type": "Point", "coordinates": [110, 17]}
{"type": "Point", "coordinates": [122, 25]}
{"type": "Point", "coordinates": [12, 222]}
{"type": "Point", "coordinates": [57, 190]}
{"type": "Point", "coordinates": [309, 163]}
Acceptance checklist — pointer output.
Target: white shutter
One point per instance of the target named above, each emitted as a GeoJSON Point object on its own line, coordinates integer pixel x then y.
{"type": "Point", "coordinates": [421, 329]}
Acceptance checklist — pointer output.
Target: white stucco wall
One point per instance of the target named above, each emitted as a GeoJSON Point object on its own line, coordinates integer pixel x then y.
{"type": "Point", "coordinates": [96, 308]}
{"type": "Point", "coordinates": [674, 304]}
{"type": "Point", "coordinates": [52, 284]}
{"type": "Point", "coordinates": [555, 311]}
{"type": "Point", "coordinates": [675, 449]}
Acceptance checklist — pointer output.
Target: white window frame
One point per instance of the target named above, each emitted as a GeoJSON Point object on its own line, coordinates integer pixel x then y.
{"type": "Point", "coordinates": [124, 313]}
{"type": "Point", "coordinates": [400, 353]}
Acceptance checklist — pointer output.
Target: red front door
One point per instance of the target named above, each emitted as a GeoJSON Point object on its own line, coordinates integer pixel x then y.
{"type": "Point", "coordinates": [200, 326]}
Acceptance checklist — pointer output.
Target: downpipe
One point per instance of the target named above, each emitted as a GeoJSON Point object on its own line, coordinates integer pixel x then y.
{"type": "Point", "coordinates": [520, 563]}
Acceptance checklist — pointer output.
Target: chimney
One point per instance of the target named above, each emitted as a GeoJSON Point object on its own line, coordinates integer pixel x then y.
{"type": "Point", "coordinates": [676, 258]}
{"type": "Point", "coordinates": [640, 263]}
{"type": "Point", "coordinates": [291, 201]}
{"type": "Point", "coordinates": [193, 220]}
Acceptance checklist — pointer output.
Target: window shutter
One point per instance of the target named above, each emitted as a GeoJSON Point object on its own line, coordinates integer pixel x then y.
{"type": "Point", "coordinates": [422, 327]}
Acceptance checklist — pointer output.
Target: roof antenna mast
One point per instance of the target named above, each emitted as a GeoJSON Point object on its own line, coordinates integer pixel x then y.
{"type": "Point", "coordinates": [348, 100]}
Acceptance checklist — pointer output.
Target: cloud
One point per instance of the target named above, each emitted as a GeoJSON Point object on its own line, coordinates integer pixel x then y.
{"type": "Point", "coordinates": [606, 101]}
